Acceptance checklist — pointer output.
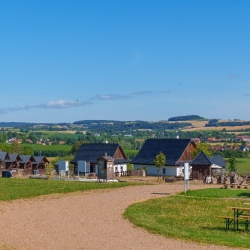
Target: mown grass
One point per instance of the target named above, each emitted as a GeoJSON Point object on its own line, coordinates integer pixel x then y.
{"type": "Point", "coordinates": [193, 216]}
{"type": "Point", "coordinates": [14, 188]}
{"type": "Point", "coordinates": [243, 164]}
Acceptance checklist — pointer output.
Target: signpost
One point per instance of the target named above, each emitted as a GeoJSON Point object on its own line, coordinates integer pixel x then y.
{"type": "Point", "coordinates": [186, 177]}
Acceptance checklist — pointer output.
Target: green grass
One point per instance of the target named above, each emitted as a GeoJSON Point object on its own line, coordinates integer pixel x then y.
{"type": "Point", "coordinates": [193, 216]}
{"type": "Point", "coordinates": [243, 164]}
{"type": "Point", "coordinates": [220, 193]}
{"type": "Point", "coordinates": [14, 188]}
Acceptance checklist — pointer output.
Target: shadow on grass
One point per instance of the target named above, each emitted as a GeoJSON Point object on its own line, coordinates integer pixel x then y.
{"type": "Point", "coordinates": [223, 229]}
{"type": "Point", "coordinates": [244, 195]}
{"type": "Point", "coordinates": [161, 193]}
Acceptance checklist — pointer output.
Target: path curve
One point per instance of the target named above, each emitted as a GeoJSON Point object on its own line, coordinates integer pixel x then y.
{"type": "Point", "coordinates": [85, 220]}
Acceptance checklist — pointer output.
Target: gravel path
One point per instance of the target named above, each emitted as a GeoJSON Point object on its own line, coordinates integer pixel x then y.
{"type": "Point", "coordinates": [85, 220]}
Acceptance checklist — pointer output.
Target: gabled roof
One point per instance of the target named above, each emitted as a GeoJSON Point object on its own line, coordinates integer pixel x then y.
{"type": "Point", "coordinates": [219, 161]}
{"type": "Point", "coordinates": [39, 159]}
{"type": "Point", "coordinates": [26, 158]}
{"type": "Point", "coordinates": [90, 152]}
{"type": "Point", "coordinates": [3, 156]}
{"type": "Point", "coordinates": [13, 157]}
{"type": "Point", "coordinates": [171, 148]}
{"type": "Point", "coordinates": [201, 159]}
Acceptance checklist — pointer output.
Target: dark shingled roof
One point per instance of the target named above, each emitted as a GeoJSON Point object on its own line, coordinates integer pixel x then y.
{"type": "Point", "coordinates": [39, 159]}
{"type": "Point", "coordinates": [201, 159]}
{"type": "Point", "coordinates": [90, 152]}
{"type": "Point", "coordinates": [219, 161]}
{"type": "Point", "coordinates": [13, 157]}
{"type": "Point", "coordinates": [25, 158]}
{"type": "Point", "coordinates": [171, 148]}
{"type": "Point", "coordinates": [3, 155]}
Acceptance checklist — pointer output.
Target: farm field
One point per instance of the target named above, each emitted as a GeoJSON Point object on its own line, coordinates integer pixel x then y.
{"type": "Point", "coordinates": [219, 128]}
{"type": "Point", "coordinates": [200, 125]}
{"type": "Point", "coordinates": [193, 216]}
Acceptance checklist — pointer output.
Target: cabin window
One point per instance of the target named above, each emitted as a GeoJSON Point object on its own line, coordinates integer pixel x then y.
{"type": "Point", "coordinates": [164, 171]}
{"type": "Point", "coordinates": [121, 168]}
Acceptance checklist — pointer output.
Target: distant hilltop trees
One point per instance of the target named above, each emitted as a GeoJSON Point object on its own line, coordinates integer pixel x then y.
{"type": "Point", "coordinates": [216, 123]}
{"type": "Point", "coordinates": [185, 118]}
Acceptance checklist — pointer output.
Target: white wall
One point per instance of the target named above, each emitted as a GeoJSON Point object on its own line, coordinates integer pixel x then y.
{"type": "Point", "coordinates": [120, 167]}
{"type": "Point", "coordinates": [152, 170]}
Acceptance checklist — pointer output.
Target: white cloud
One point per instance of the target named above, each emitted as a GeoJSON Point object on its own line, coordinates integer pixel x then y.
{"type": "Point", "coordinates": [65, 104]}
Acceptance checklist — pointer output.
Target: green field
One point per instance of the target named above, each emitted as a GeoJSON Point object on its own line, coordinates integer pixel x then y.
{"type": "Point", "coordinates": [193, 217]}
{"type": "Point", "coordinates": [243, 164]}
{"type": "Point", "coordinates": [15, 188]}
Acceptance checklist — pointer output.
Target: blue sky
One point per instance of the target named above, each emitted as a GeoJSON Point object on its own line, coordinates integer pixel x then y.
{"type": "Point", "coordinates": [64, 61]}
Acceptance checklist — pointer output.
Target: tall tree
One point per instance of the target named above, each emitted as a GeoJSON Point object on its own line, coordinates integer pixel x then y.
{"type": "Point", "coordinates": [160, 161]}
{"type": "Point", "coordinates": [76, 146]}
{"type": "Point", "coordinates": [232, 164]}
{"type": "Point", "coordinates": [202, 147]}
{"type": "Point", "coordinates": [16, 147]}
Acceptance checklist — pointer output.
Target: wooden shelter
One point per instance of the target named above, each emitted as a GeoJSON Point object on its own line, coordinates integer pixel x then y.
{"type": "Point", "coordinates": [12, 164]}
{"type": "Point", "coordinates": [3, 157]}
{"type": "Point", "coordinates": [105, 167]}
{"type": "Point", "coordinates": [26, 164]}
{"type": "Point", "coordinates": [40, 163]}
{"type": "Point", "coordinates": [201, 166]}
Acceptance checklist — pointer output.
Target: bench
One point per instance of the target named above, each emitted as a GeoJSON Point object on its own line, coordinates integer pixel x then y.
{"type": "Point", "coordinates": [230, 219]}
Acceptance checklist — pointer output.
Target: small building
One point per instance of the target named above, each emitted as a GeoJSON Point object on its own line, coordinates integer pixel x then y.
{"type": "Point", "coordinates": [26, 164]}
{"type": "Point", "coordinates": [40, 164]}
{"type": "Point", "coordinates": [12, 164]}
{"type": "Point", "coordinates": [176, 151]}
{"type": "Point", "coordinates": [201, 166]}
{"type": "Point", "coordinates": [105, 168]}
{"type": "Point", "coordinates": [90, 152]}
{"type": "Point", "coordinates": [244, 148]}
{"type": "Point", "coordinates": [3, 157]}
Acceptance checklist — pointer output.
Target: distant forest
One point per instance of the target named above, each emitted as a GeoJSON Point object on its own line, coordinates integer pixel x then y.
{"type": "Point", "coordinates": [215, 123]}
{"type": "Point", "coordinates": [108, 125]}
{"type": "Point", "coordinates": [186, 118]}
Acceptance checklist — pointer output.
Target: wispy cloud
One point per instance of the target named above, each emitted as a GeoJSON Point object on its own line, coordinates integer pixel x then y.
{"type": "Point", "coordinates": [108, 97]}
{"type": "Point", "coordinates": [65, 104]}
{"type": "Point", "coordinates": [62, 104]}
{"type": "Point", "coordinates": [246, 94]}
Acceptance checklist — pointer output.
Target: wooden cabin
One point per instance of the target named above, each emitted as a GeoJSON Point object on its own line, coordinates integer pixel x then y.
{"type": "Point", "coordinates": [40, 163]}
{"type": "Point", "coordinates": [3, 157]}
{"type": "Point", "coordinates": [12, 164]}
{"type": "Point", "coordinates": [26, 164]}
{"type": "Point", "coordinates": [201, 166]}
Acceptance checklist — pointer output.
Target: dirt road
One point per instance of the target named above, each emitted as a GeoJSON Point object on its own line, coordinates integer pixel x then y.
{"type": "Point", "coordinates": [85, 220]}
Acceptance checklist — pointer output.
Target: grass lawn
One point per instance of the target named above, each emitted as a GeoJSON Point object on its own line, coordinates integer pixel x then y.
{"type": "Point", "coordinates": [193, 216]}
{"type": "Point", "coordinates": [14, 188]}
{"type": "Point", "coordinates": [243, 164]}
